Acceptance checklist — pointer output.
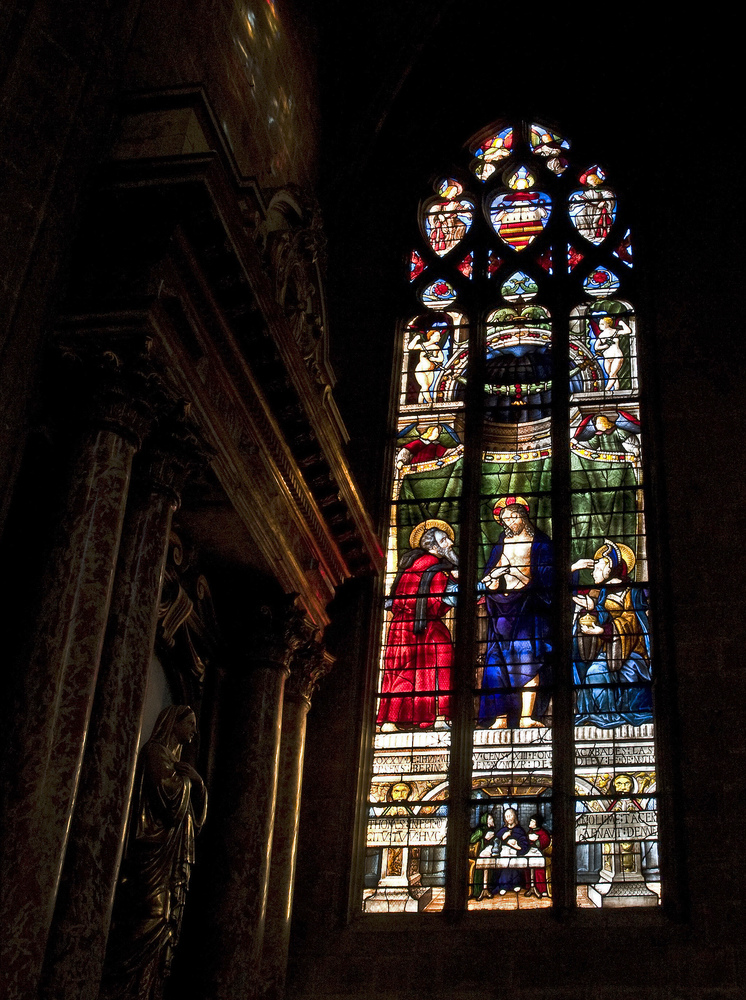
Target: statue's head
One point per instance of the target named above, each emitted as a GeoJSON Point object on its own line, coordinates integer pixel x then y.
{"type": "Point", "coordinates": [175, 726]}
{"type": "Point", "coordinates": [185, 725]}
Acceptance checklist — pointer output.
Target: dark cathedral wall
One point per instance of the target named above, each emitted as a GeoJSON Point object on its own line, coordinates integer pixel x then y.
{"type": "Point", "coordinates": [255, 60]}
{"type": "Point", "coordinates": [649, 97]}
{"type": "Point", "coordinates": [652, 100]}
{"type": "Point", "coordinates": [64, 70]}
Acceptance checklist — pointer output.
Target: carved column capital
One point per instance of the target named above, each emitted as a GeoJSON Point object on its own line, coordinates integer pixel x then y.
{"type": "Point", "coordinates": [282, 629]}
{"type": "Point", "coordinates": [115, 386]}
{"type": "Point", "coordinates": [309, 664]}
{"type": "Point", "coordinates": [172, 452]}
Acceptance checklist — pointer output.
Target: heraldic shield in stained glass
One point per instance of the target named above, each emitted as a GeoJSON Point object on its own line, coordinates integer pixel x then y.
{"type": "Point", "coordinates": [519, 215]}
{"type": "Point", "coordinates": [497, 367]}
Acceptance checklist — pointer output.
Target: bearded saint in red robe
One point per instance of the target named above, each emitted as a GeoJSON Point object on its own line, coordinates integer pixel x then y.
{"type": "Point", "coordinates": [419, 651]}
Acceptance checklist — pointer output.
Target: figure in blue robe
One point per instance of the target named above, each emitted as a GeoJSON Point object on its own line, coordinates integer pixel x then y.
{"type": "Point", "coordinates": [611, 647]}
{"type": "Point", "coordinates": [518, 630]}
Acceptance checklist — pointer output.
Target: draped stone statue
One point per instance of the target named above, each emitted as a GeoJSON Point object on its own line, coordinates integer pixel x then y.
{"type": "Point", "coordinates": [169, 807]}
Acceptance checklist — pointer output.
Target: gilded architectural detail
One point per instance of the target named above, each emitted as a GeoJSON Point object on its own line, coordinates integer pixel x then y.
{"type": "Point", "coordinates": [120, 383]}
{"type": "Point", "coordinates": [173, 451]}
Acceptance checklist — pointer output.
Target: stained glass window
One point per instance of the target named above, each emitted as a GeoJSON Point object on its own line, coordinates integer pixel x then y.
{"type": "Point", "coordinates": [515, 673]}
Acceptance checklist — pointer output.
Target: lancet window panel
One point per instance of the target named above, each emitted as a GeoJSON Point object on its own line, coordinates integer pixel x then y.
{"type": "Point", "coordinates": [515, 624]}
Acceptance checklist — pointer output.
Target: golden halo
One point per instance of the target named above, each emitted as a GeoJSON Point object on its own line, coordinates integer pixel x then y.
{"type": "Point", "coordinates": [416, 537]}
{"type": "Point", "coordinates": [510, 501]}
{"type": "Point", "coordinates": [627, 554]}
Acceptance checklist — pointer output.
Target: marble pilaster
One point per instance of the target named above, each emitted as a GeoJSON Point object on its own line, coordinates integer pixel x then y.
{"type": "Point", "coordinates": [309, 665]}
{"type": "Point", "coordinates": [244, 808]}
{"type": "Point", "coordinates": [77, 943]}
{"type": "Point", "coordinates": [60, 677]}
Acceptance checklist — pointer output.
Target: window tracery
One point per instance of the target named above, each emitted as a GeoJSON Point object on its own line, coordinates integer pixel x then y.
{"type": "Point", "coordinates": [517, 556]}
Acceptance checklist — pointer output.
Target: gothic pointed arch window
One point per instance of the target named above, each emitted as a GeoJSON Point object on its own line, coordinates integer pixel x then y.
{"type": "Point", "coordinates": [513, 761]}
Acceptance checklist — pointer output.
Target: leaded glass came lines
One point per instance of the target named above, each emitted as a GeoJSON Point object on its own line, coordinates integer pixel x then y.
{"type": "Point", "coordinates": [518, 452]}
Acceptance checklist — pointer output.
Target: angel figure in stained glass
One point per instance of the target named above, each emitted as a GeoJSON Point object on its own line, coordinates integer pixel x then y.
{"type": "Point", "coordinates": [447, 221]}
{"type": "Point", "coordinates": [425, 445]}
{"type": "Point", "coordinates": [594, 208]}
{"type": "Point", "coordinates": [611, 433]}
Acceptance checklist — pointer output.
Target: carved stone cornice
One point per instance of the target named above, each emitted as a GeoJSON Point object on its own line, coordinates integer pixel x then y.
{"type": "Point", "coordinates": [310, 663]}
{"type": "Point", "coordinates": [227, 307]}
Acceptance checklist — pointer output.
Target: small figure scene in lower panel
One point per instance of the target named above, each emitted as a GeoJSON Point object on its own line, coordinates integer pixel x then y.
{"type": "Point", "coordinates": [616, 828]}
{"type": "Point", "coordinates": [510, 847]}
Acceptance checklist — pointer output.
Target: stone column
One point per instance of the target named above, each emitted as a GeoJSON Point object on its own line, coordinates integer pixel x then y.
{"type": "Point", "coordinates": [77, 942]}
{"type": "Point", "coordinates": [240, 838]}
{"type": "Point", "coordinates": [308, 666]}
{"type": "Point", "coordinates": [60, 676]}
